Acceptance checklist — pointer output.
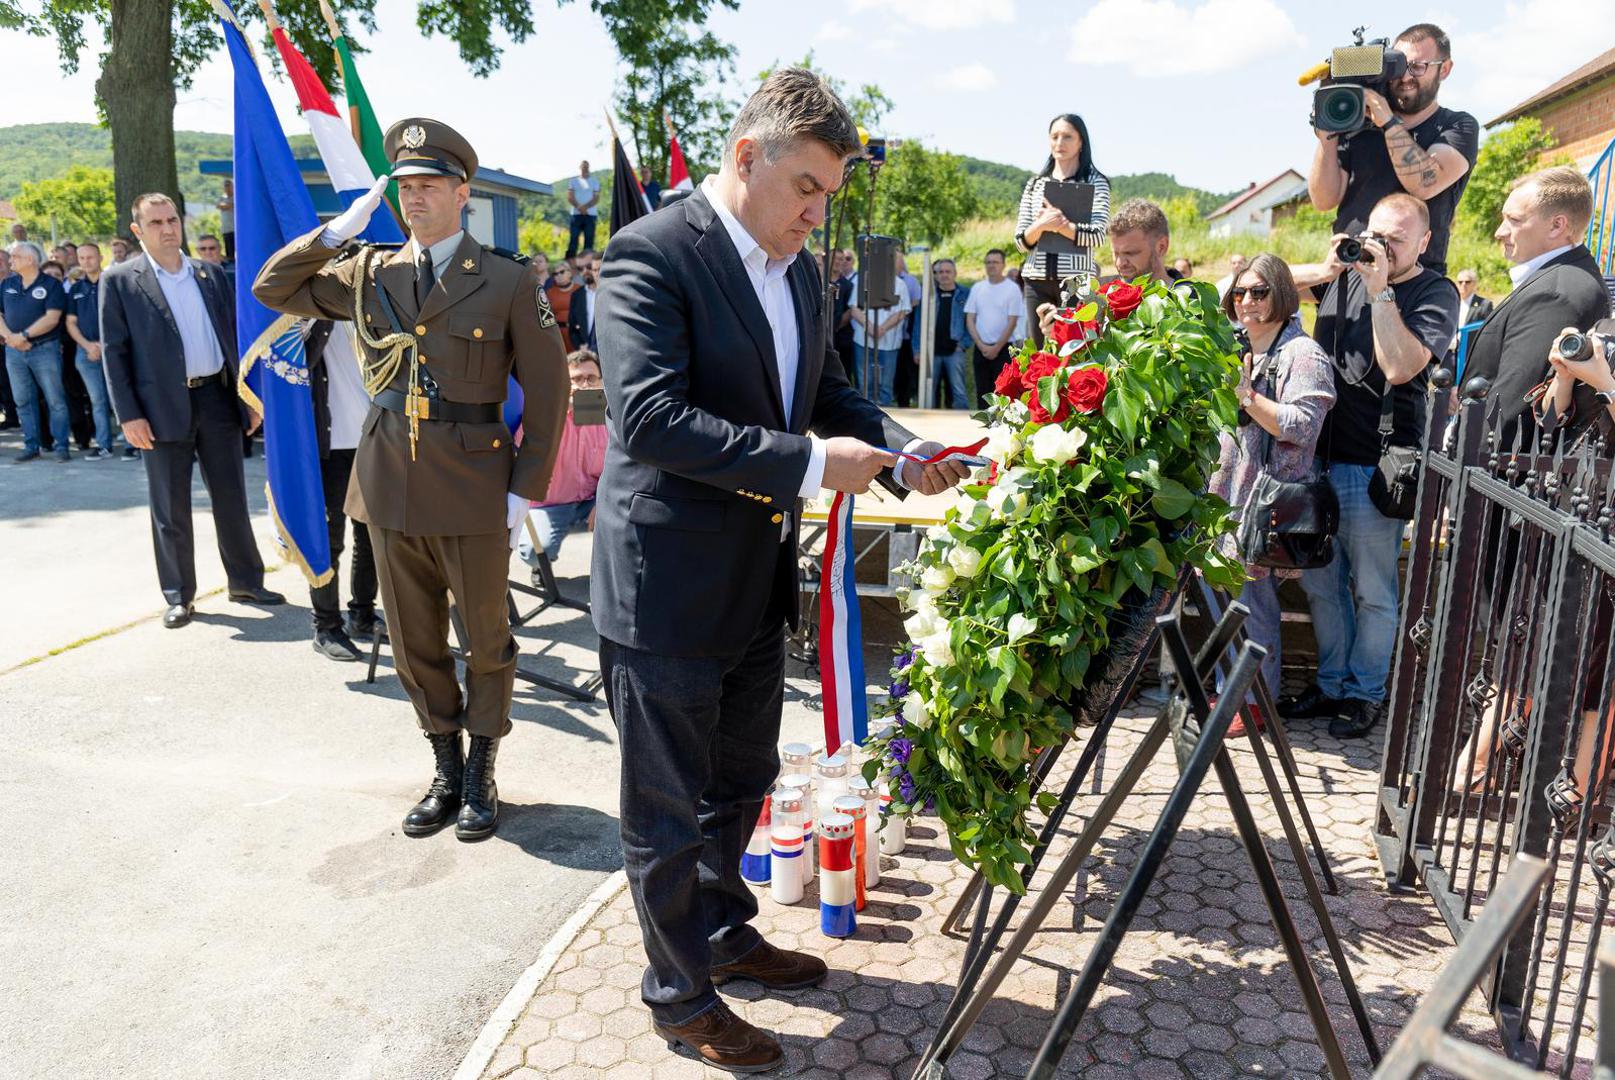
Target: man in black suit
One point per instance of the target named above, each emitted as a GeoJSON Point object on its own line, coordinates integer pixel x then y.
{"type": "Point", "coordinates": [1557, 284]}
{"type": "Point", "coordinates": [716, 366]}
{"type": "Point", "coordinates": [168, 346]}
{"type": "Point", "coordinates": [580, 316]}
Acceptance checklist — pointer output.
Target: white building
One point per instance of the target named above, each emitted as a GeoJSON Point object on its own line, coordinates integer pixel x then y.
{"type": "Point", "coordinates": [1253, 211]}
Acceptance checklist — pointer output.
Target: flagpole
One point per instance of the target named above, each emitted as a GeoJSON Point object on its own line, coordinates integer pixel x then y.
{"type": "Point", "coordinates": [223, 11]}
{"type": "Point", "coordinates": [335, 31]}
{"type": "Point", "coordinates": [268, 9]}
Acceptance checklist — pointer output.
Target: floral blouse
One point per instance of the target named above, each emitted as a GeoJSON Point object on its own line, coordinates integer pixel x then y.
{"type": "Point", "coordinates": [1301, 379]}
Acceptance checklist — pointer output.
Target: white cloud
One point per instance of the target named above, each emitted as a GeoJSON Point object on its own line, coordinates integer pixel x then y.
{"type": "Point", "coordinates": [833, 30]}
{"type": "Point", "coordinates": [970, 78]}
{"type": "Point", "coordinates": [1532, 44]}
{"type": "Point", "coordinates": [941, 14]}
{"type": "Point", "coordinates": [1178, 37]}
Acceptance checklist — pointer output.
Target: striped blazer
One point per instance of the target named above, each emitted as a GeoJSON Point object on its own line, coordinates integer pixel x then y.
{"type": "Point", "coordinates": [1047, 267]}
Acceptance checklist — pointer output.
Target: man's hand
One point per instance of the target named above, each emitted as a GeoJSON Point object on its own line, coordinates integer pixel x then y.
{"type": "Point", "coordinates": [1594, 371]}
{"type": "Point", "coordinates": [1045, 318]}
{"type": "Point", "coordinates": [254, 420]}
{"type": "Point", "coordinates": [92, 351]}
{"type": "Point", "coordinates": [1331, 265]}
{"type": "Point", "coordinates": [932, 479]}
{"type": "Point", "coordinates": [1378, 109]}
{"type": "Point", "coordinates": [352, 221]}
{"type": "Point", "coordinates": [852, 465]}
{"type": "Point", "coordinates": [137, 433]}
{"type": "Point", "coordinates": [1377, 274]}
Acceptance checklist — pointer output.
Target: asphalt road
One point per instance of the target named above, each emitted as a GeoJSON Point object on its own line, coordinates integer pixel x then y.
{"type": "Point", "coordinates": [203, 874]}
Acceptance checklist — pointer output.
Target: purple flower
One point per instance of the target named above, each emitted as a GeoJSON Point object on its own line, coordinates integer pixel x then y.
{"type": "Point", "coordinates": [900, 749]}
{"type": "Point", "coordinates": [905, 789]}
{"type": "Point", "coordinates": [898, 690]}
{"type": "Point", "coordinates": [930, 806]}
{"type": "Point", "coordinates": [907, 658]}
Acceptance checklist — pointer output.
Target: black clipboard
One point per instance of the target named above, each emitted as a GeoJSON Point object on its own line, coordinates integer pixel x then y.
{"type": "Point", "coordinates": [1075, 201]}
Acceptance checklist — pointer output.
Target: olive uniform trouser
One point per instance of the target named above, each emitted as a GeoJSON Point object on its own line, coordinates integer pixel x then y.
{"type": "Point", "coordinates": [418, 574]}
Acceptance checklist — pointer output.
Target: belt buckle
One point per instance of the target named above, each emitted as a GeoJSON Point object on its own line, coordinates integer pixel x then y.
{"type": "Point", "coordinates": [418, 406]}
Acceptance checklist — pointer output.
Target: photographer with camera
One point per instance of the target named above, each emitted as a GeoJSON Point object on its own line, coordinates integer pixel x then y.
{"type": "Point", "coordinates": [1407, 143]}
{"type": "Point", "coordinates": [1382, 320]}
{"type": "Point", "coordinates": [1557, 283]}
{"type": "Point", "coordinates": [1580, 392]}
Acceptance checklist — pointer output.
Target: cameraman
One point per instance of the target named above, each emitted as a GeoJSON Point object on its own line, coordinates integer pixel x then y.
{"type": "Point", "coordinates": [1381, 322]}
{"type": "Point", "coordinates": [1413, 145]}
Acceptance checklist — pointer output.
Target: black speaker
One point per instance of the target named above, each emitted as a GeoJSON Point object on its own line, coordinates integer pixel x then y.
{"type": "Point", "coordinates": [877, 271]}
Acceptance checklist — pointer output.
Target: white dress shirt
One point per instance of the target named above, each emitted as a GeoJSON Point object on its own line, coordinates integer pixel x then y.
{"type": "Point", "coordinates": [768, 279]}
{"type": "Point", "coordinates": [203, 352]}
{"type": "Point", "coordinates": [1518, 274]}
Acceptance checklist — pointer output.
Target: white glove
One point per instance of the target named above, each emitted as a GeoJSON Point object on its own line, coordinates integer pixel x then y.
{"type": "Point", "coordinates": [352, 221]}
{"type": "Point", "coordinates": [515, 511]}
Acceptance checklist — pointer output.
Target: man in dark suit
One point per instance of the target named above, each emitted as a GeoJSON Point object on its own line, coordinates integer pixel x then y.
{"type": "Point", "coordinates": [1557, 284]}
{"type": "Point", "coordinates": [580, 317]}
{"type": "Point", "coordinates": [712, 342]}
{"type": "Point", "coordinates": [168, 333]}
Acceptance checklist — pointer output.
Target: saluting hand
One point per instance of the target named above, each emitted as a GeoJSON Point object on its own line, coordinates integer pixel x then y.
{"type": "Point", "coordinates": [352, 221]}
{"type": "Point", "coordinates": [852, 465]}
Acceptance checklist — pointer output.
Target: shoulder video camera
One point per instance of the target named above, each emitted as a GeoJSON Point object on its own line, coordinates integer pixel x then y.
{"type": "Point", "coordinates": [1337, 105]}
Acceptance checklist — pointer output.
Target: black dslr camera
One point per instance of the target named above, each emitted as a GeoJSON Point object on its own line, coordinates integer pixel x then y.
{"type": "Point", "coordinates": [1574, 347]}
{"type": "Point", "coordinates": [1337, 105]}
{"type": "Point", "coordinates": [1351, 250]}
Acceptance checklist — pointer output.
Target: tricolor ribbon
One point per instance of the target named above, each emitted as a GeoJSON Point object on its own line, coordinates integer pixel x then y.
{"type": "Point", "coordinates": [841, 642]}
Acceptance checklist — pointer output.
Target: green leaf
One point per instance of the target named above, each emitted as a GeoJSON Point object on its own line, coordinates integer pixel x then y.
{"type": "Point", "coordinates": [1048, 392]}
{"type": "Point", "coordinates": [1172, 500]}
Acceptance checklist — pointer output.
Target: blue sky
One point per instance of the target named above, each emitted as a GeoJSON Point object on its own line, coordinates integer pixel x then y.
{"type": "Point", "coordinates": [1202, 89]}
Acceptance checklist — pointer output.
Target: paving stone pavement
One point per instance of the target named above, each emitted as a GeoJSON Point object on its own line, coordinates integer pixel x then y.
{"type": "Point", "coordinates": [1200, 987]}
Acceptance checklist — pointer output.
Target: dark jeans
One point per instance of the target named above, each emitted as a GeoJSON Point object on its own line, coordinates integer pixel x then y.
{"type": "Point", "coordinates": [582, 226]}
{"type": "Point", "coordinates": [986, 371]}
{"type": "Point", "coordinates": [326, 599]}
{"type": "Point", "coordinates": [699, 750]}
{"type": "Point", "coordinates": [80, 418]}
{"type": "Point", "coordinates": [906, 383]}
{"type": "Point", "coordinates": [1037, 291]}
{"type": "Point", "coordinates": [214, 440]}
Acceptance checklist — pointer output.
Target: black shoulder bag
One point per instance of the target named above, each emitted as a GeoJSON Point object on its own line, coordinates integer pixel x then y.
{"type": "Point", "coordinates": [1288, 524]}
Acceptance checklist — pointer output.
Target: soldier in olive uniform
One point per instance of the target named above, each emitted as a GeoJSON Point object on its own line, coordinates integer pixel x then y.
{"type": "Point", "coordinates": [440, 323]}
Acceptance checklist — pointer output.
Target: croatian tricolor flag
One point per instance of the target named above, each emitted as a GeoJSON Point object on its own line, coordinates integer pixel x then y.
{"type": "Point", "coordinates": [350, 173]}
{"type": "Point", "coordinates": [841, 641]}
{"type": "Point", "coordinates": [678, 174]}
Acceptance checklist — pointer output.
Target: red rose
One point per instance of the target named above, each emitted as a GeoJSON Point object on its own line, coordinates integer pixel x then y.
{"type": "Point", "coordinates": [1085, 390]}
{"type": "Point", "coordinates": [1009, 381]}
{"type": "Point", "coordinates": [1121, 297]}
{"type": "Point", "coordinates": [1067, 327]}
{"type": "Point", "coordinates": [1040, 366]}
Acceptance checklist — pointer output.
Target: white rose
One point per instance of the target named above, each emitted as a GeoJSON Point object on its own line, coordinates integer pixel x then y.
{"type": "Point", "coordinates": [996, 497]}
{"type": "Point", "coordinates": [1003, 443]}
{"type": "Point", "coordinates": [918, 600]}
{"type": "Point", "coordinates": [1017, 413]}
{"type": "Point", "coordinates": [936, 579]}
{"type": "Point", "coordinates": [922, 624]}
{"type": "Point", "coordinates": [965, 561]}
{"type": "Point", "coordinates": [938, 648]}
{"type": "Point", "coordinates": [1052, 443]}
{"type": "Point", "coordinates": [914, 711]}
{"type": "Point", "coordinates": [1020, 626]}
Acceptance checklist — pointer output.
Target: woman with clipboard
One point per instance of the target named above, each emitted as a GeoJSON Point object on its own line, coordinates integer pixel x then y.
{"type": "Point", "coordinates": [1062, 219]}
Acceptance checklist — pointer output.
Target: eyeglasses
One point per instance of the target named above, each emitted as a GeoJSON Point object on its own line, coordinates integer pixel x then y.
{"type": "Point", "coordinates": [1418, 68]}
{"type": "Point", "coordinates": [1256, 292]}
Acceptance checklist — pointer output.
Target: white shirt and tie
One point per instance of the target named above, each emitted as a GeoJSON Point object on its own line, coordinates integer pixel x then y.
{"type": "Point", "coordinates": [767, 277]}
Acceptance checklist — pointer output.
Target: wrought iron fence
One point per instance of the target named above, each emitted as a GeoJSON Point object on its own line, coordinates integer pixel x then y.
{"type": "Point", "coordinates": [1493, 747]}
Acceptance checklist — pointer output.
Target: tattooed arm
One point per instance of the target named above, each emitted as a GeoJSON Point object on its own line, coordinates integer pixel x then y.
{"type": "Point", "coordinates": [1425, 173]}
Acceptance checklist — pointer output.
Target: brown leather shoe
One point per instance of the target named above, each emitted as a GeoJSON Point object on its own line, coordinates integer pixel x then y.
{"type": "Point", "coordinates": [725, 1041]}
{"type": "Point", "coordinates": [774, 968]}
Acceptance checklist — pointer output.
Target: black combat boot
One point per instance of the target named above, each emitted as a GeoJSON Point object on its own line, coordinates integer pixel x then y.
{"type": "Point", "coordinates": [442, 799]}
{"type": "Point", "coordinates": [480, 805]}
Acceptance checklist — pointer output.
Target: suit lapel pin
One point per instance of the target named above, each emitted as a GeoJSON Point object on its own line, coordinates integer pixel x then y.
{"type": "Point", "coordinates": [201, 273]}
{"type": "Point", "coordinates": [469, 264]}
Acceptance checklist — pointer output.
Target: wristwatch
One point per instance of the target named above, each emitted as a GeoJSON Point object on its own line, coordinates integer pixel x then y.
{"type": "Point", "coordinates": [1606, 396]}
{"type": "Point", "coordinates": [1246, 398]}
{"type": "Point", "coordinates": [1386, 295]}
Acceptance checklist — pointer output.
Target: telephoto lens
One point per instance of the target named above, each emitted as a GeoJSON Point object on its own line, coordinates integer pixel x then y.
{"type": "Point", "coordinates": [1349, 250]}
{"type": "Point", "coordinates": [1573, 347]}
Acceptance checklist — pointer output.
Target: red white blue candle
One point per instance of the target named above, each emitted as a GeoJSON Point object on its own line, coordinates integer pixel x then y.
{"type": "Point", "coordinates": [754, 863]}
{"type": "Point", "coordinates": [785, 883]}
{"type": "Point", "coordinates": [838, 885]}
{"type": "Point", "coordinates": [804, 783]}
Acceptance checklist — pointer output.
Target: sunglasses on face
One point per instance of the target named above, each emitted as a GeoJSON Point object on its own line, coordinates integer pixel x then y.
{"type": "Point", "coordinates": [1255, 292]}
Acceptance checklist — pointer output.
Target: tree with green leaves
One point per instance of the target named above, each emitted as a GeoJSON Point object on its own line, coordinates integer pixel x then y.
{"type": "Point", "coordinates": [78, 205]}
{"type": "Point", "coordinates": [673, 74]}
{"type": "Point", "coordinates": [923, 195]}
{"type": "Point", "coordinates": [155, 46]}
{"type": "Point", "coordinates": [1509, 153]}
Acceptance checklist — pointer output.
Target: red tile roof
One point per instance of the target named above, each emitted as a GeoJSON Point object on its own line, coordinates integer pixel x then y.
{"type": "Point", "coordinates": [1254, 189]}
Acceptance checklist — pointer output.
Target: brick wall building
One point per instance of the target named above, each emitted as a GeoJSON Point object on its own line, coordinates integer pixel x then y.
{"type": "Point", "coordinates": [1578, 110]}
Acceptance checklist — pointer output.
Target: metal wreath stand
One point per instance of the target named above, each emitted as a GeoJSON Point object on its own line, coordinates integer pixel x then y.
{"type": "Point", "coordinates": [1198, 729]}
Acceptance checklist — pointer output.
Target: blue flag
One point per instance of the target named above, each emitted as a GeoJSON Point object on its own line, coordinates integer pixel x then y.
{"type": "Point", "coordinates": [272, 208]}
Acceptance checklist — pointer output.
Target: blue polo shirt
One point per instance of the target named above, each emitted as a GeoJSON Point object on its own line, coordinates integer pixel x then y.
{"type": "Point", "coordinates": [24, 306]}
{"type": "Point", "coordinates": [81, 304]}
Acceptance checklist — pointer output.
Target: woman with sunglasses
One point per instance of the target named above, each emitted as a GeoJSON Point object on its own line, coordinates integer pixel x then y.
{"type": "Point", "coordinates": [1070, 158]}
{"type": "Point", "coordinates": [1286, 387]}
